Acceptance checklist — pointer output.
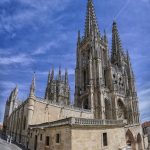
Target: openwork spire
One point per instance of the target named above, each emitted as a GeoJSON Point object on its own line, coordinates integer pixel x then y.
{"type": "Point", "coordinates": [116, 46]}
{"type": "Point", "coordinates": [52, 74]}
{"type": "Point", "coordinates": [91, 25]}
{"type": "Point", "coordinates": [32, 87]}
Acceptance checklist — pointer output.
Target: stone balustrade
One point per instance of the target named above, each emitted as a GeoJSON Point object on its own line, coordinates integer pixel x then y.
{"type": "Point", "coordinates": [82, 121]}
{"type": "Point", "coordinates": [78, 121]}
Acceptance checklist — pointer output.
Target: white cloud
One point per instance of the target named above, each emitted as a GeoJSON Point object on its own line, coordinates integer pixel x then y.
{"type": "Point", "coordinates": [45, 48]}
{"type": "Point", "coordinates": [16, 59]}
{"type": "Point", "coordinates": [144, 92]}
{"type": "Point", "coordinates": [147, 1]}
{"type": "Point", "coordinates": [144, 105]}
{"type": "Point", "coordinates": [36, 11]}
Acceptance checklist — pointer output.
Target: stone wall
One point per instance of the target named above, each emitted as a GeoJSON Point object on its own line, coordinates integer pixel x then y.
{"type": "Point", "coordinates": [44, 112]}
{"type": "Point", "coordinates": [78, 137]}
{"type": "Point", "coordinates": [65, 138]}
{"type": "Point", "coordinates": [87, 134]}
{"type": "Point", "coordinates": [92, 138]}
{"type": "Point", "coordinates": [17, 124]}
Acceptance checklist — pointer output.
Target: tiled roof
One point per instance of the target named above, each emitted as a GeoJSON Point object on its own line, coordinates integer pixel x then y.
{"type": "Point", "coordinates": [146, 124]}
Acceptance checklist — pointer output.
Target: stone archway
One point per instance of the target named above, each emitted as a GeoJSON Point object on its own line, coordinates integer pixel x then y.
{"type": "Point", "coordinates": [139, 142]}
{"type": "Point", "coordinates": [121, 110]}
{"type": "Point", "coordinates": [107, 109]}
{"type": "Point", "coordinates": [130, 140]}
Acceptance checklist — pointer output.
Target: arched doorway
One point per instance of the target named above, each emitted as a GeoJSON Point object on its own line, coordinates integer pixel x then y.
{"type": "Point", "coordinates": [139, 142]}
{"type": "Point", "coordinates": [121, 110]}
{"type": "Point", "coordinates": [130, 140]}
{"type": "Point", "coordinates": [107, 109]}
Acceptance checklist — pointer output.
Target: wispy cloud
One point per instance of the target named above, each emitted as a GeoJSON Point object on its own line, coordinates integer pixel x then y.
{"type": "Point", "coordinates": [43, 49]}
{"type": "Point", "coordinates": [22, 59]}
{"type": "Point", "coordinates": [31, 14]}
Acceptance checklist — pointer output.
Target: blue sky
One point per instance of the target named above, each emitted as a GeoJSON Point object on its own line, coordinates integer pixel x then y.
{"type": "Point", "coordinates": [36, 34]}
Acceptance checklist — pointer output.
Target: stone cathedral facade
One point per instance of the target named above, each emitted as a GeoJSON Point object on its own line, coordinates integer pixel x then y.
{"type": "Point", "coordinates": [104, 84]}
{"type": "Point", "coordinates": [105, 113]}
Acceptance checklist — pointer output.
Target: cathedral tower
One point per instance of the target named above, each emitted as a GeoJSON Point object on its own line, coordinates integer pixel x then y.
{"type": "Point", "coordinates": [58, 90]}
{"type": "Point", "coordinates": [104, 84]}
{"type": "Point", "coordinates": [92, 59]}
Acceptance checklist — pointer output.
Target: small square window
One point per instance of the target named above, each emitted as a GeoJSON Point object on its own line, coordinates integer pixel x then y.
{"type": "Point", "coordinates": [57, 138]}
{"type": "Point", "coordinates": [105, 142]}
{"type": "Point", "coordinates": [47, 141]}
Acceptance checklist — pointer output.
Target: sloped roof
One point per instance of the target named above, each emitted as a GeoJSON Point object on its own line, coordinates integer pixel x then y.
{"type": "Point", "coordinates": [146, 124]}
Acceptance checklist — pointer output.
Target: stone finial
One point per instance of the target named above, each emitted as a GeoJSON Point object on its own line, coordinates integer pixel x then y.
{"type": "Point", "coordinates": [32, 87]}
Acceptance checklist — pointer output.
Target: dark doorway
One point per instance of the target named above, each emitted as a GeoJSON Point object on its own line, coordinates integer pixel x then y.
{"type": "Point", "coordinates": [35, 143]}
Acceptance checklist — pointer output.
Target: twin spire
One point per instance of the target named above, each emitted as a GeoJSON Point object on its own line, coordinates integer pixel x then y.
{"type": "Point", "coordinates": [92, 30]}
{"type": "Point", "coordinates": [91, 25]}
{"type": "Point", "coordinates": [59, 76]}
{"type": "Point", "coordinates": [116, 46]}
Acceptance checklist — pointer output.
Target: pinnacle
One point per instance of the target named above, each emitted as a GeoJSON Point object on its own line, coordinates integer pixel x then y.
{"type": "Point", "coordinates": [52, 73]}
{"type": "Point", "coordinates": [66, 76]}
{"type": "Point", "coordinates": [91, 25]}
{"type": "Point", "coordinates": [49, 77]}
{"type": "Point", "coordinates": [32, 88]}
{"type": "Point", "coordinates": [116, 45]}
